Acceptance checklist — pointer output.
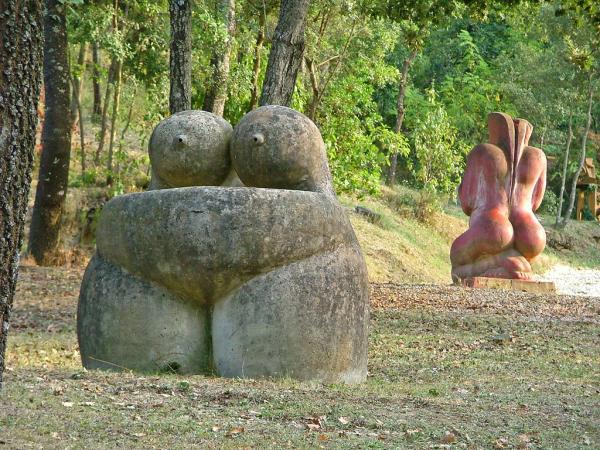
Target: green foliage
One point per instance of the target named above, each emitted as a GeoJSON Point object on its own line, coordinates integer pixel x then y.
{"type": "Point", "coordinates": [471, 92]}
{"type": "Point", "coordinates": [438, 154]}
{"type": "Point", "coordinates": [549, 203]}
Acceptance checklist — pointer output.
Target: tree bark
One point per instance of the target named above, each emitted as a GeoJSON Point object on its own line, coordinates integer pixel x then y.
{"type": "Point", "coordinates": [286, 53]}
{"type": "Point", "coordinates": [583, 150]}
{"type": "Point", "coordinates": [44, 234]}
{"type": "Point", "coordinates": [402, 84]}
{"type": "Point", "coordinates": [180, 96]}
{"type": "Point", "coordinates": [563, 178]}
{"type": "Point", "coordinates": [260, 39]}
{"type": "Point", "coordinates": [113, 123]}
{"type": "Point", "coordinates": [104, 118]}
{"type": "Point", "coordinates": [20, 76]}
{"type": "Point", "coordinates": [97, 107]}
{"type": "Point", "coordinates": [79, 112]}
{"type": "Point", "coordinates": [216, 95]}
{"type": "Point", "coordinates": [78, 84]}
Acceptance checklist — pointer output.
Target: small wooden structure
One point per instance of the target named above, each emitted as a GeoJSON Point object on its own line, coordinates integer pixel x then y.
{"type": "Point", "coordinates": [532, 286]}
{"type": "Point", "coordinates": [587, 191]}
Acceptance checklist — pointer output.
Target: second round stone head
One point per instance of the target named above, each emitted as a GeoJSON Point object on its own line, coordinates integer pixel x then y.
{"type": "Point", "coordinates": [191, 148]}
{"type": "Point", "coordinates": [277, 147]}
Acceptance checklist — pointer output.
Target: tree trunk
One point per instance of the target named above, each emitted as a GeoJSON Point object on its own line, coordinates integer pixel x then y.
{"type": "Point", "coordinates": [97, 108]}
{"type": "Point", "coordinates": [79, 112]}
{"type": "Point", "coordinates": [260, 39]}
{"type": "Point", "coordinates": [391, 178]}
{"type": "Point", "coordinates": [113, 123]}
{"type": "Point", "coordinates": [104, 119]}
{"type": "Point", "coordinates": [563, 178]}
{"type": "Point", "coordinates": [583, 150]}
{"type": "Point", "coordinates": [78, 75]}
{"type": "Point", "coordinates": [20, 63]}
{"type": "Point", "coordinates": [216, 95]}
{"type": "Point", "coordinates": [286, 53]}
{"type": "Point", "coordinates": [44, 234]}
{"type": "Point", "coordinates": [180, 96]}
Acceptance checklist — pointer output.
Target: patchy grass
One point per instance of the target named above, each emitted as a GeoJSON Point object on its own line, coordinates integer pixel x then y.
{"type": "Point", "coordinates": [402, 249]}
{"type": "Point", "coordinates": [448, 368]}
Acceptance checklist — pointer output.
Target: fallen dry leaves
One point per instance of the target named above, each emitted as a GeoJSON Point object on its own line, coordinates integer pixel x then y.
{"type": "Point", "coordinates": [491, 301]}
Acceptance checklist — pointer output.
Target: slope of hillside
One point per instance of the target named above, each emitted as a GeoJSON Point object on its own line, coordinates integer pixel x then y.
{"type": "Point", "coordinates": [401, 248]}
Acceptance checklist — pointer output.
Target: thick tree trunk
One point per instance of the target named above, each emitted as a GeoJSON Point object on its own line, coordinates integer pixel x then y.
{"type": "Point", "coordinates": [582, 156]}
{"type": "Point", "coordinates": [563, 178]}
{"type": "Point", "coordinates": [402, 84]}
{"type": "Point", "coordinates": [216, 95]}
{"type": "Point", "coordinates": [79, 73]}
{"type": "Point", "coordinates": [180, 96]}
{"type": "Point", "coordinates": [286, 53]}
{"type": "Point", "coordinates": [20, 72]}
{"type": "Point", "coordinates": [97, 107]}
{"type": "Point", "coordinates": [260, 39]}
{"type": "Point", "coordinates": [53, 176]}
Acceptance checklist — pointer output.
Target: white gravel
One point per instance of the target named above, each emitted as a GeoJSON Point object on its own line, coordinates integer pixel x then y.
{"type": "Point", "coordinates": [572, 281]}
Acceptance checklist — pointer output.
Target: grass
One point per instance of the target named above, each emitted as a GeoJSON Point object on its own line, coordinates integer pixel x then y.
{"type": "Point", "coordinates": [439, 377]}
{"type": "Point", "coordinates": [402, 249]}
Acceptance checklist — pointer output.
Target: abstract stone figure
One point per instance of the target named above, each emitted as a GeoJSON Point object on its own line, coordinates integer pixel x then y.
{"type": "Point", "coordinates": [255, 281]}
{"type": "Point", "coordinates": [503, 184]}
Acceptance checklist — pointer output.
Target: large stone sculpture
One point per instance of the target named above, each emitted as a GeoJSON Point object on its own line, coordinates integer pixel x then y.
{"type": "Point", "coordinates": [503, 185]}
{"type": "Point", "coordinates": [262, 280]}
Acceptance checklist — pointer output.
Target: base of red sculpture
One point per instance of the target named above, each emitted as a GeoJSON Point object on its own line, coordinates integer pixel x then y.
{"type": "Point", "coordinates": [533, 286]}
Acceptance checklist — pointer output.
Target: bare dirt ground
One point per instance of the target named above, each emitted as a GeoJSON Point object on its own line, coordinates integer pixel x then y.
{"type": "Point", "coordinates": [448, 368]}
{"type": "Point", "coordinates": [575, 281]}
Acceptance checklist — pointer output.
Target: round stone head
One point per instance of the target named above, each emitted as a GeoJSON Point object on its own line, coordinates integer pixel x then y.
{"type": "Point", "coordinates": [190, 148]}
{"type": "Point", "coordinates": [277, 147]}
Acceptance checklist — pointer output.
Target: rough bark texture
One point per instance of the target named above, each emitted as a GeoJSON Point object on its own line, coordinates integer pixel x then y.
{"type": "Point", "coordinates": [286, 53]}
{"type": "Point", "coordinates": [563, 179]}
{"type": "Point", "coordinates": [56, 139]}
{"type": "Point", "coordinates": [583, 150]}
{"type": "Point", "coordinates": [391, 178]}
{"type": "Point", "coordinates": [215, 98]}
{"type": "Point", "coordinates": [97, 108]}
{"type": "Point", "coordinates": [20, 64]}
{"type": "Point", "coordinates": [180, 97]}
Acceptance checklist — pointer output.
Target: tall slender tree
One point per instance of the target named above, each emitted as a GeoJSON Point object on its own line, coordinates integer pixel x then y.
{"type": "Point", "coordinates": [20, 73]}
{"type": "Point", "coordinates": [78, 74]}
{"type": "Point", "coordinates": [53, 176]}
{"type": "Point", "coordinates": [180, 97]}
{"type": "Point", "coordinates": [285, 57]}
{"type": "Point", "coordinates": [586, 132]}
{"type": "Point", "coordinates": [216, 95]}
{"type": "Point", "coordinates": [97, 105]}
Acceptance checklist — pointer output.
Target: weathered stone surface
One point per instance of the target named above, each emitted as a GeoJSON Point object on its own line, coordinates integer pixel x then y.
{"type": "Point", "coordinates": [277, 147]}
{"type": "Point", "coordinates": [190, 148]}
{"type": "Point", "coordinates": [305, 320]}
{"type": "Point", "coordinates": [202, 242]}
{"type": "Point", "coordinates": [503, 185]}
{"type": "Point", "coordinates": [126, 322]}
{"type": "Point", "coordinates": [270, 282]}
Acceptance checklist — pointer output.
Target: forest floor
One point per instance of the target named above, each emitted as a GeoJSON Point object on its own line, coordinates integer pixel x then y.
{"type": "Point", "coordinates": [448, 368]}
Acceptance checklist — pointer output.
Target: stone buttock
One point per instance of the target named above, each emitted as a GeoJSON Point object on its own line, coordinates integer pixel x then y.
{"type": "Point", "coordinates": [261, 280]}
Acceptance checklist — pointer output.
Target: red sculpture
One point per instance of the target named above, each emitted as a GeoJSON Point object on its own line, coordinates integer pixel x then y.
{"type": "Point", "coordinates": [503, 185]}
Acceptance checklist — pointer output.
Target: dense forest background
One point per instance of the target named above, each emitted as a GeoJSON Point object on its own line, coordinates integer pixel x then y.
{"type": "Point", "coordinates": [400, 92]}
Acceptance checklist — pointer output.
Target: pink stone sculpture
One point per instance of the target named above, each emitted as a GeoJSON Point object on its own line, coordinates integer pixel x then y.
{"type": "Point", "coordinates": [503, 184]}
